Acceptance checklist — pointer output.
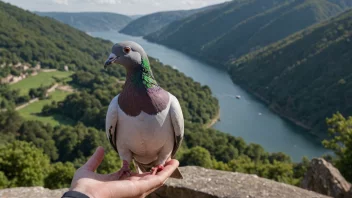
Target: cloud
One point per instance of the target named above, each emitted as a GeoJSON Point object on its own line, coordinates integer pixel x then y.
{"type": "Point", "coordinates": [83, 2]}
{"type": "Point", "coordinates": [129, 7]}
{"type": "Point", "coordinates": [61, 2]}
{"type": "Point", "coordinates": [105, 1]}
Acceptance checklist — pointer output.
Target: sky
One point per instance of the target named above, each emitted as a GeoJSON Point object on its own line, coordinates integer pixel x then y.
{"type": "Point", "coordinates": [128, 7]}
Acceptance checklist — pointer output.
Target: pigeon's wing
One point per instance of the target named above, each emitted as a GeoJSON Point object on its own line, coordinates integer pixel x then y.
{"type": "Point", "coordinates": [177, 123]}
{"type": "Point", "coordinates": [111, 122]}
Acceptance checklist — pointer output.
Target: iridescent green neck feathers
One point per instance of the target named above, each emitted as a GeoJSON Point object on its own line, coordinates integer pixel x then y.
{"type": "Point", "coordinates": [143, 76]}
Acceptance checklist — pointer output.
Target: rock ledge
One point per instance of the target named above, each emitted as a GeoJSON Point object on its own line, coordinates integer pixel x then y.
{"type": "Point", "coordinates": [204, 183]}
{"type": "Point", "coordinates": [198, 183]}
{"type": "Point", "coordinates": [324, 178]}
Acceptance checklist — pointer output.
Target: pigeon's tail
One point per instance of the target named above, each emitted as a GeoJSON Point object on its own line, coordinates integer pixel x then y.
{"type": "Point", "coordinates": [143, 168]}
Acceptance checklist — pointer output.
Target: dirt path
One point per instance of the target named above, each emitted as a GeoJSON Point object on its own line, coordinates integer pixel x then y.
{"type": "Point", "coordinates": [48, 70]}
{"type": "Point", "coordinates": [66, 88]}
{"type": "Point", "coordinates": [26, 104]}
{"type": "Point", "coordinates": [51, 89]}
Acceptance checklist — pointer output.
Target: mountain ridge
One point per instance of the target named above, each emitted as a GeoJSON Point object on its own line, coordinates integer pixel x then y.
{"type": "Point", "coordinates": [90, 21]}
{"type": "Point", "coordinates": [150, 23]}
{"type": "Point", "coordinates": [238, 27]}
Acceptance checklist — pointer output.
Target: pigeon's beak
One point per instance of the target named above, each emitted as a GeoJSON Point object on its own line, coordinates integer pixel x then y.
{"type": "Point", "coordinates": [112, 58]}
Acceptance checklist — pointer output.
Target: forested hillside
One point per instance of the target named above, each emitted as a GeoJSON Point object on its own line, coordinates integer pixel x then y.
{"type": "Point", "coordinates": [27, 37]}
{"type": "Point", "coordinates": [306, 76]}
{"type": "Point", "coordinates": [153, 22]}
{"type": "Point", "coordinates": [60, 149]}
{"type": "Point", "coordinates": [91, 21]}
{"type": "Point", "coordinates": [238, 27]}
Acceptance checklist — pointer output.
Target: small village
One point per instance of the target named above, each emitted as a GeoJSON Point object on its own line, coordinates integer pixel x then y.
{"type": "Point", "coordinates": [25, 70]}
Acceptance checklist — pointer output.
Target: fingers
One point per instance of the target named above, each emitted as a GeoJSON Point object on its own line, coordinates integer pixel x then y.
{"type": "Point", "coordinates": [170, 167]}
{"type": "Point", "coordinates": [154, 182]}
{"type": "Point", "coordinates": [160, 178]}
{"type": "Point", "coordinates": [93, 163]}
{"type": "Point", "coordinates": [141, 184]}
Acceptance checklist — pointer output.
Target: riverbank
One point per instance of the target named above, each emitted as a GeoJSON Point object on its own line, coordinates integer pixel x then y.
{"type": "Point", "coordinates": [277, 110]}
{"type": "Point", "coordinates": [274, 108]}
{"type": "Point", "coordinates": [214, 120]}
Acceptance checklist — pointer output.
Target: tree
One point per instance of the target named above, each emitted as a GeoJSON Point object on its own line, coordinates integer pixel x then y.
{"type": "Point", "coordinates": [341, 143]}
{"type": "Point", "coordinates": [281, 157]}
{"type": "Point", "coordinates": [197, 156]}
{"type": "Point", "coordinates": [40, 135]}
{"type": "Point", "coordinates": [220, 165]}
{"type": "Point", "coordinates": [280, 171]}
{"type": "Point", "coordinates": [10, 121]}
{"type": "Point", "coordinates": [78, 142]}
{"type": "Point", "coordinates": [60, 175]}
{"type": "Point", "coordinates": [111, 163]}
{"type": "Point", "coordinates": [255, 152]}
{"type": "Point", "coordinates": [23, 164]}
{"type": "Point", "coordinates": [3, 180]}
{"type": "Point", "coordinates": [301, 168]}
{"type": "Point", "coordinates": [243, 164]}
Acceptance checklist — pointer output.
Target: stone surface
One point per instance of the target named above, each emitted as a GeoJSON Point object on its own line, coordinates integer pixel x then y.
{"type": "Point", "coordinates": [197, 183]}
{"type": "Point", "coordinates": [324, 178]}
{"type": "Point", "coordinates": [31, 192]}
{"type": "Point", "coordinates": [203, 183]}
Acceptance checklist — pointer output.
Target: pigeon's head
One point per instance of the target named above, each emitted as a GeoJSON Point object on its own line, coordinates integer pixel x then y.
{"type": "Point", "coordinates": [127, 53]}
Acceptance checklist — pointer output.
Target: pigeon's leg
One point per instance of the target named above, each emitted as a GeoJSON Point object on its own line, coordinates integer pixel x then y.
{"type": "Point", "coordinates": [126, 167]}
{"type": "Point", "coordinates": [125, 170]}
{"type": "Point", "coordinates": [163, 156]}
{"type": "Point", "coordinates": [157, 169]}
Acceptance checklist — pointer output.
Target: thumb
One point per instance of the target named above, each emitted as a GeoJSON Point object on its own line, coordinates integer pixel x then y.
{"type": "Point", "coordinates": [93, 163]}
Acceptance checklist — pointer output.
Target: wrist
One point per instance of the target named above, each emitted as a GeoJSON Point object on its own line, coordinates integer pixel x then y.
{"type": "Point", "coordinates": [74, 194]}
{"type": "Point", "coordinates": [84, 191]}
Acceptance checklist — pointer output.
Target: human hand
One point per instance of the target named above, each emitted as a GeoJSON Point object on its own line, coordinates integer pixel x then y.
{"type": "Point", "coordinates": [96, 185]}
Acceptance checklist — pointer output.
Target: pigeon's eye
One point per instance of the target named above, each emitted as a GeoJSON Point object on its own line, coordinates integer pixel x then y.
{"type": "Point", "coordinates": [126, 50]}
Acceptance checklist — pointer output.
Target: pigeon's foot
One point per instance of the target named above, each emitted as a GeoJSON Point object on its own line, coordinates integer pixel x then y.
{"type": "Point", "coordinates": [125, 170]}
{"type": "Point", "coordinates": [157, 169]}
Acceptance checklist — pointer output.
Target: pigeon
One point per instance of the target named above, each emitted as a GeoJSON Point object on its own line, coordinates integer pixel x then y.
{"type": "Point", "coordinates": [144, 123]}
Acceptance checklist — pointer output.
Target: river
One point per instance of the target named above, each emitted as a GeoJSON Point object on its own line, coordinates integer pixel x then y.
{"type": "Point", "coordinates": [246, 117]}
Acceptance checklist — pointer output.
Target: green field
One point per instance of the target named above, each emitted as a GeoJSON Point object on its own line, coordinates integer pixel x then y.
{"type": "Point", "coordinates": [42, 79]}
{"type": "Point", "coordinates": [32, 111]}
